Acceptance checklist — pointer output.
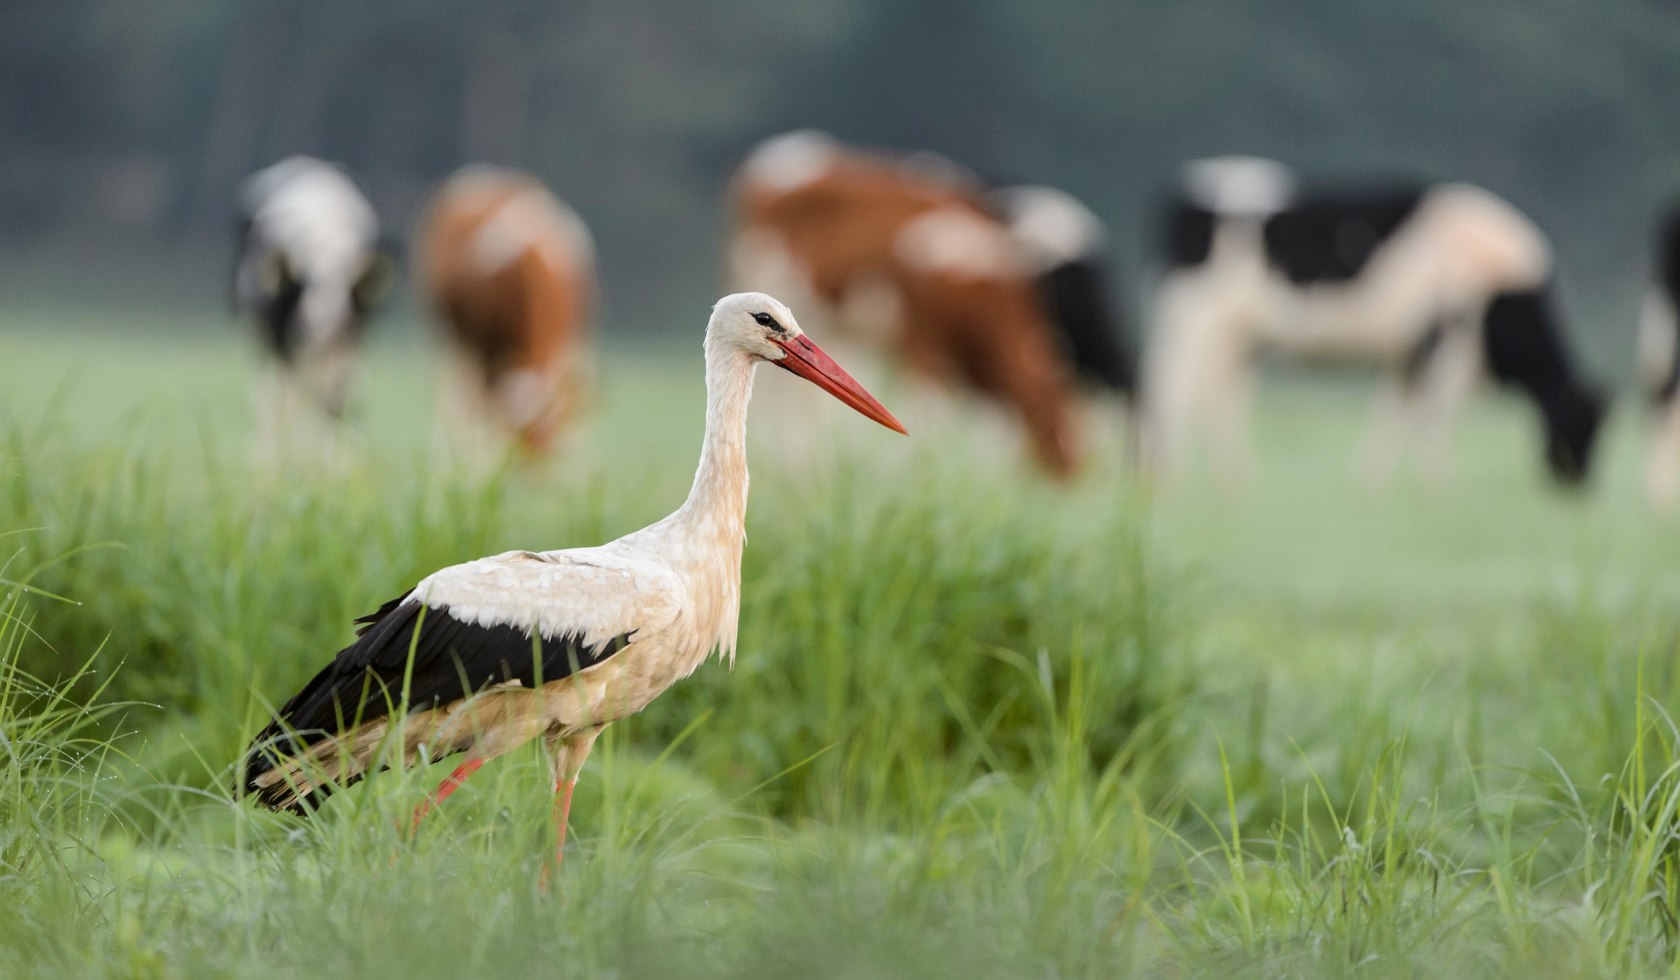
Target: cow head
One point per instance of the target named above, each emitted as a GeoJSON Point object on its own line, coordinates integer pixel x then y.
{"type": "Point", "coordinates": [1572, 423]}
{"type": "Point", "coordinates": [1525, 349]}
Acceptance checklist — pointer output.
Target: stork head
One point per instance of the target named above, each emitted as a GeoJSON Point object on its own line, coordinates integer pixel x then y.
{"type": "Point", "coordinates": [761, 327]}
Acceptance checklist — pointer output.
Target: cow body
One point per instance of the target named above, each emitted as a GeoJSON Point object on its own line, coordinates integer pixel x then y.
{"type": "Point", "coordinates": [1439, 285]}
{"type": "Point", "coordinates": [309, 272]}
{"type": "Point", "coordinates": [906, 255]}
{"type": "Point", "coordinates": [510, 270]}
{"type": "Point", "coordinates": [1659, 364]}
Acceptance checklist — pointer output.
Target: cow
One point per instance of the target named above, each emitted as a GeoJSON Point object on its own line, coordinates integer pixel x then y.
{"type": "Point", "coordinates": [309, 269]}
{"type": "Point", "coordinates": [509, 270]}
{"type": "Point", "coordinates": [1659, 364]}
{"type": "Point", "coordinates": [1065, 245]}
{"type": "Point", "coordinates": [914, 256]}
{"type": "Point", "coordinates": [1437, 284]}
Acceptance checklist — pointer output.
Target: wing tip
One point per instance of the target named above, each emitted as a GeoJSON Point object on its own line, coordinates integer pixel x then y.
{"type": "Point", "coordinates": [372, 619]}
{"type": "Point", "coordinates": [275, 778]}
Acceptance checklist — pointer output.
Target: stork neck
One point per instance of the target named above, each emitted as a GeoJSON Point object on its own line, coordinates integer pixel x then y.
{"type": "Point", "coordinates": [719, 495]}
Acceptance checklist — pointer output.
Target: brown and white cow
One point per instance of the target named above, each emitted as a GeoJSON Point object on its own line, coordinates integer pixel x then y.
{"type": "Point", "coordinates": [510, 270]}
{"type": "Point", "coordinates": [904, 254]}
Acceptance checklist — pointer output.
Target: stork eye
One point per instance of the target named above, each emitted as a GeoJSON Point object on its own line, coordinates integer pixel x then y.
{"type": "Point", "coordinates": [766, 320]}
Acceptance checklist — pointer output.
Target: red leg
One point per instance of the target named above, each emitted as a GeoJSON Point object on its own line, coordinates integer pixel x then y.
{"type": "Point", "coordinates": [568, 760]}
{"type": "Point", "coordinates": [562, 814]}
{"type": "Point", "coordinates": [444, 790]}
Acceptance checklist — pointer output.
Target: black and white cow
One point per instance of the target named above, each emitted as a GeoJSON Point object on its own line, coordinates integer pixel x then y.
{"type": "Point", "coordinates": [1066, 246]}
{"type": "Point", "coordinates": [1440, 284]}
{"type": "Point", "coordinates": [310, 269]}
{"type": "Point", "coordinates": [1659, 364]}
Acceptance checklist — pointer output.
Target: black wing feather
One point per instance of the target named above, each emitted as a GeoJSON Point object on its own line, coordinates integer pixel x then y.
{"type": "Point", "coordinates": [365, 623]}
{"type": "Point", "coordinates": [452, 659]}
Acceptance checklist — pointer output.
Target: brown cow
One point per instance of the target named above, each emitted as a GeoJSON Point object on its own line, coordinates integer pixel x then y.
{"type": "Point", "coordinates": [511, 272]}
{"type": "Point", "coordinates": [904, 254]}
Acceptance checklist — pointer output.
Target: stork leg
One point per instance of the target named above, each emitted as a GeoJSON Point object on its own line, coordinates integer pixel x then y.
{"type": "Point", "coordinates": [569, 756]}
{"type": "Point", "coordinates": [562, 815]}
{"type": "Point", "coordinates": [447, 787]}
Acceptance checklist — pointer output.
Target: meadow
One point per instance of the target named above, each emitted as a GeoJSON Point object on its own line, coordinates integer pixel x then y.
{"type": "Point", "coordinates": [978, 726]}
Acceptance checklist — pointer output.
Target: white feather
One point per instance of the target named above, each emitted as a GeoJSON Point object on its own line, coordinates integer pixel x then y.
{"type": "Point", "coordinates": [587, 592]}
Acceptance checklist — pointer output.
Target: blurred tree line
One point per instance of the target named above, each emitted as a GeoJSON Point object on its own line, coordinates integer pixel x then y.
{"type": "Point", "coordinates": [125, 126]}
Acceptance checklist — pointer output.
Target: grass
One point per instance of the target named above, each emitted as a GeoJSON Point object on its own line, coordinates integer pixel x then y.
{"type": "Point", "coordinates": [978, 725]}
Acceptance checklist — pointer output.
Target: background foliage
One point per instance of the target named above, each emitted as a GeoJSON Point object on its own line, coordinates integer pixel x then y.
{"type": "Point", "coordinates": [126, 126]}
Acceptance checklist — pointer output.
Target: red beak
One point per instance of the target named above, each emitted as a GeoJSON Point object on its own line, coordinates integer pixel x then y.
{"type": "Point", "coordinates": [809, 362]}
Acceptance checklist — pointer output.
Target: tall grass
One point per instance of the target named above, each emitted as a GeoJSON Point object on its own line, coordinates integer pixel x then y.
{"type": "Point", "coordinates": [53, 801]}
{"type": "Point", "coordinates": [978, 726]}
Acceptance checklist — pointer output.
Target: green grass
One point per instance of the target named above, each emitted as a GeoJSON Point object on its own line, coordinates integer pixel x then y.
{"type": "Point", "coordinates": [978, 725]}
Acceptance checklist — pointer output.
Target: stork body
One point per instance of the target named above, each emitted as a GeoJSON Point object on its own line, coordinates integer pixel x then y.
{"type": "Point", "coordinates": [554, 644]}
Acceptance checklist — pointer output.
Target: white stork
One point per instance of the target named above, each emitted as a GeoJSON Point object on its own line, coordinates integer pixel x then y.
{"type": "Point", "coordinates": [482, 657]}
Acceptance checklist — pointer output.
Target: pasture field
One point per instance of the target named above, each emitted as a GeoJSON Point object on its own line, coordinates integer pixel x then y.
{"type": "Point", "coordinates": [979, 726]}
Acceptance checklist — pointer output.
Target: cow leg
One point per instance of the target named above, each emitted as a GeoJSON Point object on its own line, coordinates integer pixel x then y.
{"type": "Point", "coordinates": [575, 383]}
{"type": "Point", "coordinates": [452, 403]}
{"type": "Point", "coordinates": [1230, 408]}
{"type": "Point", "coordinates": [1662, 472]}
{"type": "Point", "coordinates": [1440, 398]}
{"type": "Point", "coordinates": [1385, 433]}
{"type": "Point", "coordinates": [278, 408]}
{"type": "Point", "coordinates": [265, 399]}
{"type": "Point", "coordinates": [468, 429]}
{"type": "Point", "coordinates": [1171, 384]}
{"type": "Point", "coordinates": [1391, 424]}
{"type": "Point", "coordinates": [1198, 380]}
{"type": "Point", "coordinates": [333, 373]}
